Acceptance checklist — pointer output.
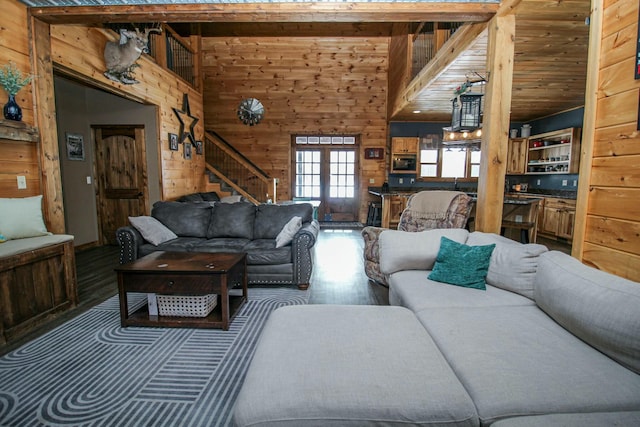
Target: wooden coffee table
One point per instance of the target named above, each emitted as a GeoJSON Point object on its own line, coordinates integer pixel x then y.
{"type": "Point", "coordinates": [184, 273]}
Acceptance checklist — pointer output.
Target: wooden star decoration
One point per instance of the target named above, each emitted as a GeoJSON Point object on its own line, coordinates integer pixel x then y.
{"type": "Point", "coordinates": [186, 120]}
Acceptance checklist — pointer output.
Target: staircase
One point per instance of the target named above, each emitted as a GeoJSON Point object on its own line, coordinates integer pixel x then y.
{"type": "Point", "coordinates": [236, 173]}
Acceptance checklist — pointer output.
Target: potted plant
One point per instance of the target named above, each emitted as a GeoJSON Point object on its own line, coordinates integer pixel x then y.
{"type": "Point", "coordinates": [12, 81]}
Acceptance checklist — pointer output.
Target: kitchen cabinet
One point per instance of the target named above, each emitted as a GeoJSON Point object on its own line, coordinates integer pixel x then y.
{"type": "Point", "coordinates": [404, 145]}
{"type": "Point", "coordinates": [517, 156]}
{"type": "Point", "coordinates": [558, 216]}
{"type": "Point", "coordinates": [391, 213]}
{"type": "Point", "coordinates": [554, 152]}
{"type": "Point", "coordinates": [404, 155]}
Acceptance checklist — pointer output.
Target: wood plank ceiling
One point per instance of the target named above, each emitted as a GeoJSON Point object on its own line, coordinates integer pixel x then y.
{"type": "Point", "coordinates": [550, 46]}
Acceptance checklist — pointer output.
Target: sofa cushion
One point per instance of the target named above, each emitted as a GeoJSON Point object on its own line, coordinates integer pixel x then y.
{"type": "Point", "coordinates": [221, 244]}
{"type": "Point", "coordinates": [513, 265]}
{"type": "Point", "coordinates": [289, 230]}
{"type": "Point", "coordinates": [270, 219]}
{"type": "Point", "coordinates": [337, 365]}
{"type": "Point", "coordinates": [598, 307]}
{"type": "Point", "coordinates": [412, 289]}
{"type": "Point", "coordinates": [232, 220]}
{"type": "Point", "coordinates": [403, 250]}
{"type": "Point", "coordinates": [264, 252]}
{"type": "Point", "coordinates": [516, 361]}
{"type": "Point", "coordinates": [184, 219]}
{"type": "Point", "coordinates": [22, 218]}
{"type": "Point", "coordinates": [462, 265]}
{"type": "Point", "coordinates": [181, 244]}
{"type": "Point", "coordinates": [152, 230]}
{"type": "Point", "coordinates": [591, 419]}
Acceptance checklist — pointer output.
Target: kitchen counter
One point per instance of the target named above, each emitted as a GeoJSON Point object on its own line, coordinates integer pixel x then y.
{"type": "Point", "coordinates": [561, 194]}
{"type": "Point", "coordinates": [407, 191]}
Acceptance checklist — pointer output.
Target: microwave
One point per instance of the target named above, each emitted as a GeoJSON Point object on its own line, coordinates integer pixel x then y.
{"type": "Point", "coordinates": [404, 163]}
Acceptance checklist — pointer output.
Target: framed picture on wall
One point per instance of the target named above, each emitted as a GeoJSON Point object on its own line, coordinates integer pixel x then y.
{"type": "Point", "coordinates": [75, 146]}
{"type": "Point", "coordinates": [198, 147]}
{"type": "Point", "coordinates": [373, 153]}
{"type": "Point", "coordinates": [173, 142]}
{"type": "Point", "coordinates": [187, 150]}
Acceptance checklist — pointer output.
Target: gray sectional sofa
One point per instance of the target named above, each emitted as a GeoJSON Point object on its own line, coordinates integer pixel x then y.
{"type": "Point", "coordinates": [234, 227]}
{"type": "Point", "coordinates": [550, 342]}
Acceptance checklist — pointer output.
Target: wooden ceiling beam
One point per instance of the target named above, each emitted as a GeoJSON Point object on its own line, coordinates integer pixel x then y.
{"type": "Point", "coordinates": [270, 12]}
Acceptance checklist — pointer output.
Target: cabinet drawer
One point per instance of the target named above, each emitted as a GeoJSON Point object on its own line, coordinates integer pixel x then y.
{"type": "Point", "coordinates": [170, 283]}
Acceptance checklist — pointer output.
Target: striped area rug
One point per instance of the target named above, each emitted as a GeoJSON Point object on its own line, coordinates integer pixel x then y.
{"type": "Point", "coordinates": [91, 372]}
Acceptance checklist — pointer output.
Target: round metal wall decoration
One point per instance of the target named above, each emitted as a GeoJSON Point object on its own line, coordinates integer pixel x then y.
{"type": "Point", "coordinates": [250, 111]}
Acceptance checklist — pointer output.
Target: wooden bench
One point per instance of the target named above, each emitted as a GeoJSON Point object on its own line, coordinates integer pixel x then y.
{"type": "Point", "coordinates": [37, 282]}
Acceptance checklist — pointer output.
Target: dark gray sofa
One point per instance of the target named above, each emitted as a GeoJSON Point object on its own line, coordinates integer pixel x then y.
{"type": "Point", "coordinates": [234, 227]}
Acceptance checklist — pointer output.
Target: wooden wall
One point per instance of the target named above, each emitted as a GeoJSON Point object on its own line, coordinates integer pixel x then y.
{"type": "Point", "coordinates": [16, 157]}
{"type": "Point", "coordinates": [78, 50]}
{"type": "Point", "coordinates": [609, 207]}
{"type": "Point", "coordinates": [308, 85]}
{"type": "Point", "coordinates": [400, 64]}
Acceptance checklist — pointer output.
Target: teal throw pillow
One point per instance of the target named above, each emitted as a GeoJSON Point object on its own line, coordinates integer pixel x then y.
{"type": "Point", "coordinates": [462, 265]}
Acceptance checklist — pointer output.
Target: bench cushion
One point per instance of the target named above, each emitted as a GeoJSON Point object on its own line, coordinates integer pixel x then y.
{"type": "Point", "coordinates": [334, 365]}
{"type": "Point", "coordinates": [18, 246]}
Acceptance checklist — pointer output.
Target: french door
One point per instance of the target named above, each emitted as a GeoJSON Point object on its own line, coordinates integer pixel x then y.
{"type": "Point", "coordinates": [326, 172]}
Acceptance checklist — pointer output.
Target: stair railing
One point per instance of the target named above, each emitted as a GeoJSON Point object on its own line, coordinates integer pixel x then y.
{"type": "Point", "coordinates": [229, 165]}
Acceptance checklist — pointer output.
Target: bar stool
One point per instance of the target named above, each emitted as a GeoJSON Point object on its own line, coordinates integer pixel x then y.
{"type": "Point", "coordinates": [374, 214]}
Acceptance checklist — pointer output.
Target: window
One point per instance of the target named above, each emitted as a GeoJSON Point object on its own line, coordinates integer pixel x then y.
{"type": "Point", "coordinates": [475, 163]}
{"type": "Point", "coordinates": [428, 163]}
{"type": "Point", "coordinates": [342, 174]}
{"type": "Point", "coordinates": [449, 162]}
{"type": "Point", "coordinates": [307, 173]}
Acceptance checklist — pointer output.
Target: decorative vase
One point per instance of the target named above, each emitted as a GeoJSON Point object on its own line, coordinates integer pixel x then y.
{"type": "Point", "coordinates": [12, 110]}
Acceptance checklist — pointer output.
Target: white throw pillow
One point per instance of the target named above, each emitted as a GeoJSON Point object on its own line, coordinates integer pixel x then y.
{"type": "Point", "coordinates": [22, 217]}
{"type": "Point", "coordinates": [152, 230]}
{"type": "Point", "coordinates": [288, 231]}
{"type": "Point", "coordinates": [405, 250]}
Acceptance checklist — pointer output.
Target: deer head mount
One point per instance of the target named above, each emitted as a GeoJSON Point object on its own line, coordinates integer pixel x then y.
{"type": "Point", "coordinates": [120, 57]}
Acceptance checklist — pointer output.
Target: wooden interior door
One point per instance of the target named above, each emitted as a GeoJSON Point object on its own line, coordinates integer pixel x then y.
{"type": "Point", "coordinates": [122, 189]}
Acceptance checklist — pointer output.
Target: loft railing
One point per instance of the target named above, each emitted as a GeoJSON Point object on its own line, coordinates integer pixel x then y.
{"type": "Point", "coordinates": [229, 165]}
{"type": "Point", "coordinates": [173, 53]}
{"type": "Point", "coordinates": [428, 40]}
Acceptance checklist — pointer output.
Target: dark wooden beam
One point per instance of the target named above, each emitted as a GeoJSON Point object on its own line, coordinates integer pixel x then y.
{"type": "Point", "coordinates": [270, 12]}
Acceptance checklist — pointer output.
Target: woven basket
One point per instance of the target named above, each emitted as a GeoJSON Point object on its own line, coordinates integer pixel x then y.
{"type": "Point", "coordinates": [186, 305]}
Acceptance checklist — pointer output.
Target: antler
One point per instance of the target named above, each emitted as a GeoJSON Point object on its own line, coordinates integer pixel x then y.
{"type": "Point", "coordinates": [154, 29]}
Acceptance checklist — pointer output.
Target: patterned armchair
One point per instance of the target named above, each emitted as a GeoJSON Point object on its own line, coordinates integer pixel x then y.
{"type": "Point", "coordinates": [425, 210]}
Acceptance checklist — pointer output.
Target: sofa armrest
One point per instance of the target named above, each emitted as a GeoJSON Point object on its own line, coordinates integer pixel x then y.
{"type": "Point", "coordinates": [129, 239]}
{"type": "Point", "coordinates": [302, 252]}
{"type": "Point", "coordinates": [371, 236]}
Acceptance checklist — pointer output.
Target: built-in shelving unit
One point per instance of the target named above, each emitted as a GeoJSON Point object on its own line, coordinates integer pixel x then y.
{"type": "Point", "coordinates": [554, 152]}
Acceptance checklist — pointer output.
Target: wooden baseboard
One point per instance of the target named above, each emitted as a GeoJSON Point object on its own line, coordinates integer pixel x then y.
{"type": "Point", "coordinates": [85, 246]}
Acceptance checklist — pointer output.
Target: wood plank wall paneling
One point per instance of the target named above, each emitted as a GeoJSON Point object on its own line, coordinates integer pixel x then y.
{"type": "Point", "coordinates": [400, 55]}
{"type": "Point", "coordinates": [612, 225]}
{"type": "Point", "coordinates": [80, 49]}
{"type": "Point", "coordinates": [307, 85]}
{"type": "Point", "coordinates": [17, 158]}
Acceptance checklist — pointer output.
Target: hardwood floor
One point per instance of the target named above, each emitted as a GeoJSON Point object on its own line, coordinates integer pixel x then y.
{"type": "Point", "coordinates": [338, 278]}
{"type": "Point", "coordinates": [338, 271]}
